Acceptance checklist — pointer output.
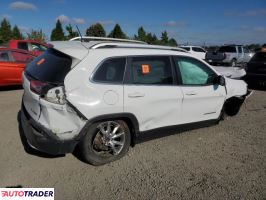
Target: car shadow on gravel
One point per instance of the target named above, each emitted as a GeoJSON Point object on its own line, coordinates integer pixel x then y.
{"type": "Point", "coordinates": [10, 88]}
{"type": "Point", "coordinates": [28, 149]}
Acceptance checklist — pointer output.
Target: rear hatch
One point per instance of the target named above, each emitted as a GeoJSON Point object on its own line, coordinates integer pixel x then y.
{"type": "Point", "coordinates": [44, 91]}
{"type": "Point", "coordinates": [44, 73]}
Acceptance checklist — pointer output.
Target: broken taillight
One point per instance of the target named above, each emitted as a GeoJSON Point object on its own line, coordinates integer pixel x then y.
{"type": "Point", "coordinates": [39, 87]}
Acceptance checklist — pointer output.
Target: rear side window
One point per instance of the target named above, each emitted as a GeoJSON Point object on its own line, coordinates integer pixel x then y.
{"type": "Point", "coordinates": [111, 71]}
{"type": "Point", "coordinates": [23, 46]}
{"type": "Point", "coordinates": [151, 70]}
{"type": "Point", "coordinates": [228, 49]}
{"type": "Point", "coordinates": [52, 67]}
{"type": "Point", "coordinates": [259, 57]}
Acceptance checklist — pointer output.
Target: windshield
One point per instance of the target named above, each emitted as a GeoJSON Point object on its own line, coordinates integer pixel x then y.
{"type": "Point", "coordinates": [52, 66]}
{"type": "Point", "coordinates": [259, 57]}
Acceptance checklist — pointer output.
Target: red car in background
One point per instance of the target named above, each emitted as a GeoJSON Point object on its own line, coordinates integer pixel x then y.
{"type": "Point", "coordinates": [33, 46]}
{"type": "Point", "coordinates": [12, 64]}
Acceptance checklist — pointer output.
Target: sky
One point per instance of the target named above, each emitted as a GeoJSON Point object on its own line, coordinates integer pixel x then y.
{"type": "Point", "coordinates": [195, 22]}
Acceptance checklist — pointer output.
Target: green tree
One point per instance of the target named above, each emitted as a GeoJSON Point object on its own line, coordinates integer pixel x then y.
{"type": "Point", "coordinates": [37, 35]}
{"type": "Point", "coordinates": [117, 33]}
{"type": "Point", "coordinates": [58, 33]}
{"type": "Point", "coordinates": [164, 38]}
{"type": "Point", "coordinates": [141, 35]}
{"type": "Point", "coordinates": [5, 31]}
{"type": "Point", "coordinates": [151, 39]}
{"type": "Point", "coordinates": [71, 33]}
{"type": "Point", "coordinates": [96, 30]}
{"type": "Point", "coordinates": [172, 42]}
{"type": "Point", "coordinates": [16, 34]}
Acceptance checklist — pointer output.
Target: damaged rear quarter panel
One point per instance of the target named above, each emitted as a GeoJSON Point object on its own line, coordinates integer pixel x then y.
{"type": "Point", "coordinates": [62, 120]}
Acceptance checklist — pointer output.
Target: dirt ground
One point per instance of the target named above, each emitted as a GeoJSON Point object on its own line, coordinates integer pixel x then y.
{"type": "Point", "coordinates": [226, 161]}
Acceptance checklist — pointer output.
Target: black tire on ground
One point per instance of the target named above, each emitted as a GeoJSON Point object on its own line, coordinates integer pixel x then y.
{"type": "Point", "coordinates": [89, 155]}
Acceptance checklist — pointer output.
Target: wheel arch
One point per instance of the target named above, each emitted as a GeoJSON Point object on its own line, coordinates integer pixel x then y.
{"type": "Point", "coordinates": [232, 105]}
{"type": "Point", "coordinates": [129, 118]}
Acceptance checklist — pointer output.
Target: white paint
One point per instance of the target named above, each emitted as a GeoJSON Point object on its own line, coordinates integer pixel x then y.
{"type": "Point", "coordinates": [154, 106]}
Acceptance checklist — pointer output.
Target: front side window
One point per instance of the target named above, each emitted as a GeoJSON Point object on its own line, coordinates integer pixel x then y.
{"type": "Point", "coordinates": [194, 72]}
{"type": "Point", "coordinates": [151, 70]}
{"type": "Point", "coordinates": [111, 71]}
{"type": "Point", "coordinates": [239, 49]}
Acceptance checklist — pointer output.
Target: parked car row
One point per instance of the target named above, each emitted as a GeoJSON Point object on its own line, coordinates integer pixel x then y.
{"type": "Point", "coordinates": [232, 55]}
{"type": "Point", "coordinates": [12, 64]}
{"type": "Point", "coordinates": [15, 57]}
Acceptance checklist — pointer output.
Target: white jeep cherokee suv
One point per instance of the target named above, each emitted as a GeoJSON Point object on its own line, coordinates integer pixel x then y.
{"type": "Point", "coordinates": [103, 97]}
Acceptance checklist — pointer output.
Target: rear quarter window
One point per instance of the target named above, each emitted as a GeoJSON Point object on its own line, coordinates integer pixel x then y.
{"type": "Point", "coordinates": [110, 71]}
{"type": "Point", "coordinates": [52, 67]}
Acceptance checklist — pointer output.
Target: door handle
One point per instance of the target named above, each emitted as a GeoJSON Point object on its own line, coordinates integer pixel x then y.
{"type": "Point", "coordinates": [136, 95]}
{"type": "Point", "coordinates": [191, 93]}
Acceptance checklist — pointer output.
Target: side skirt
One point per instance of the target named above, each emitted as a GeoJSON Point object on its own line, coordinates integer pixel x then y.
{"type": "Point", "coordinates": [171, 130]}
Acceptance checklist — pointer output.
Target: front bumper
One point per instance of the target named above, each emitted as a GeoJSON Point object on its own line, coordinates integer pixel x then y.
{"type": "Point", "coordinates": [42, 138]}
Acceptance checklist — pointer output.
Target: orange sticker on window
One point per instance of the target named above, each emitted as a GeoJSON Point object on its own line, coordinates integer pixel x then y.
{"type": "Point", "coordinates": [145, 69]}
{"type": "Point", "coordinates": [40, 61]}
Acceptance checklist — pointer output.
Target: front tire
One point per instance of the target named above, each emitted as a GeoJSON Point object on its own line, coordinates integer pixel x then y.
{"type": "Point", "coordinates": [105, 142]}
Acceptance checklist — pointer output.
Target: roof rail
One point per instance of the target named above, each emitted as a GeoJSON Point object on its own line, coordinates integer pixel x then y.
{"type": "Point", "coordinates": [138, 46]}
{"type": "Point", "coordinates": [89, 38]}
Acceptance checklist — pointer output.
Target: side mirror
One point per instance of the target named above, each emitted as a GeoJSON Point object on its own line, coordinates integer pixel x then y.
{"type": "Point", "coordinates": [220, 80]}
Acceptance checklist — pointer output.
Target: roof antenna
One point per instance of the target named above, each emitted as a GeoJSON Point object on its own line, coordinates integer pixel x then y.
{"type": "Point", "coordinates": [81, 39]}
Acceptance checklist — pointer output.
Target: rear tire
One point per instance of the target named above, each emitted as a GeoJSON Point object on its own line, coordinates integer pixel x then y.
{"type": "Point", "coordinates": [105, 142]}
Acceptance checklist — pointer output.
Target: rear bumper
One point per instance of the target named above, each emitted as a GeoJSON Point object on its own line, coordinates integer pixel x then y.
{"type": "Point", "coordinates": [42, 138]}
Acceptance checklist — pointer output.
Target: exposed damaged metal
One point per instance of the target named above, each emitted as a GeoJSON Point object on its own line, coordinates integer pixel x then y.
{"type": "Point", "coordinates": [58, 116]}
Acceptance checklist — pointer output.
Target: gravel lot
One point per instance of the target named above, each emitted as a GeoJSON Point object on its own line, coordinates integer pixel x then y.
{"type": "Point", "coordinates": [227, 161]}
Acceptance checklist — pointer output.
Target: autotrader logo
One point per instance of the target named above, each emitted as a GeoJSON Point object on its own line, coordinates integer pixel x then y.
{"type": "Point", "coordinates": [27, 193]}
